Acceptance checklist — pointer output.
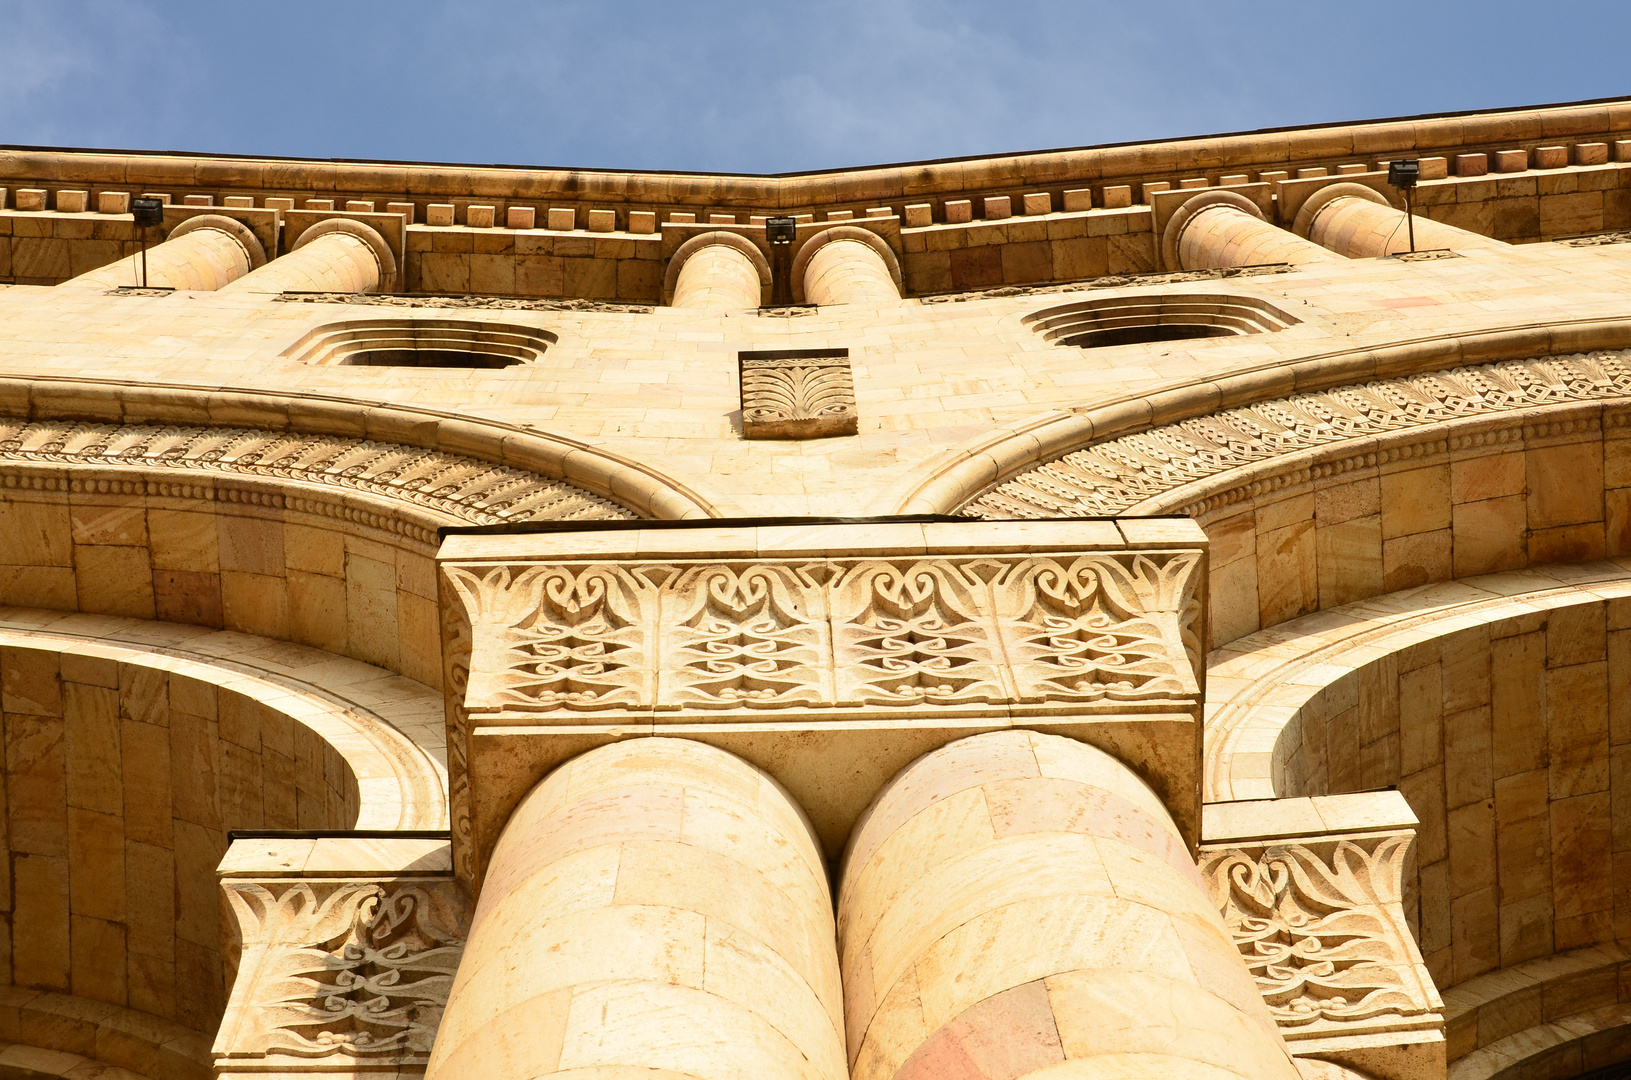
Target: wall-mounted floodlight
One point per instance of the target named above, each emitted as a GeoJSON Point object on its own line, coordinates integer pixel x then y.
{"type": "Point", "coordinates": [780, 230]}
{"type": "Point", "coordinates": [146, 213]}
{"type": "Point", "coordinates": [1403, 175]}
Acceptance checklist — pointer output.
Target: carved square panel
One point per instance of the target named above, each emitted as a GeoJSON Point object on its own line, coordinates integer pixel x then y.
{"type": "Point", "coordinates": [797, 394]}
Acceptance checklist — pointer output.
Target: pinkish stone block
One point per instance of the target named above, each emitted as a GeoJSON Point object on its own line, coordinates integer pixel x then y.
{"type": "Point", "coordinates": [642, 221]}
{"type": "Point", "coordinates": [1507, 161]}
{"type": "Point", "coordinates": [520, 217]}
{"type": "Point", "coordinates": [198, 200]}
{"type": "Point", "coordinates": [959, 211]}
{"type": "Point", "coordinates": [1551, 157]}
{"type": "Point", "coordinates": [998, 207]}
{"type": "Point", "coordinates": [1039, 203]}
{"type": "Point", "coordinates": [602, 220]}
{"type": "Point", "coordinates": [919, 214]}
{"type": "Point", "coordinates": [1471, 164]}
{"type": "Point", "coordinates": [479, 217]}
{"type": "Point", "coordinates": [1591, 153]}
{"type": "Point", "coordinates": [439, 214]}
{"type": "Point", "coordinates": [1082, 198]}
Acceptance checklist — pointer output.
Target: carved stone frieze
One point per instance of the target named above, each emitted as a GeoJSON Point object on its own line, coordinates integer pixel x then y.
{"type": "Point", "coordinates": [771, 639]}
{"type": "Point", "coordinates": [458, 488]}
{"type": "Point", "coordinates": [1320, 924]}
{"type": "Point", "coordinates": [1117, 475]}
{"type": "Point", "coordinates": [756, 635]}
{"type": "Point", "coordinates": [797, 394]}
{"type": "Point", "coordinates": [339, 974]}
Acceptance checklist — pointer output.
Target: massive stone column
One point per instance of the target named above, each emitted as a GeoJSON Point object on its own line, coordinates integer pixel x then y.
{"type": "Point", "coordinates": [845, 265]}
{"type": "Point", "coordinates": [1359, 222]}
{"type": "Point", "coordinates": [336, 255]}
{"type": "Point", "coordinates": [654, 909]}
{"type": "Point", "coordinates": [204, 253]}
{"type": "Point", "coordinates": [1021, 905]}
{"type": "Point", "coordinates": [717, 271]}
{"type": "Point", "coordinates": [1223, 228]}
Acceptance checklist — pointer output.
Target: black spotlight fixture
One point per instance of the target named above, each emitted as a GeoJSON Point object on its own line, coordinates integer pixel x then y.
{"type": "Point", "coordinates": [1403, 175]}
{"type": "Point", "coordinates": [780, 230]}
{"type": "Point", "coordinates": [146, 213]}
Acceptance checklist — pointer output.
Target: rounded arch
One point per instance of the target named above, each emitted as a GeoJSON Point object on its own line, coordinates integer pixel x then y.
{"type": "Point", "coordinates": [735, 241]}
{"type": "Point", "coordinates": [1489, 703]}
{"type": "Point", "coordinates": [807, 250]}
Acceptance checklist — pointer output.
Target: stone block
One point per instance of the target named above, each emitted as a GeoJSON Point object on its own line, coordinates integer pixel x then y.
{"type": "Point", "coordinates": [359, 206]}
{"type": "Point", "coordinates": [919, 215]}
{"type": "Point", "coordinates": [279, 204]}
{"type": "Point", "coordinates": [113, 202]}
{"type": "Point", "coordinates": [72, 202]}
{"type": "Point", "coordinates": [239, 202]}
{"type": "Point", "coordinates": [1510, 161]}
{"type": "Point", "coordinates": [161, 196]}
{"type": "Point", "coordinates": [682, 219]}
{"type": "Point", "coordinates": [643, 222]}
{"type": "Point", "coordinates": [1039, 203]}
{"type": "Point", "coordinates": [1273, 176]}
{"type": "Point", "coordinates": [29, 199]}
{"type": "Point", "coordinates": [876, 212]}
{"type": "Point", "coordinates": [1353, 170]}
{"type": "Point", "coordinates": [1234, 180]}
{"type": "Point", "coordinates": [1082, 198]}
{"type": "Point", "coordinates": [998, 207]}
{"type": "Point", "coordinates": [1622, 150]}
{"type": "Point", "coordinates": [602, 220]}
{"type": "Point", "coordinates": [1152, 189]}
{"type": "Point", "coordinates": [832, 215]}
{"type": "Point", "coordinates": [403, 208]}
{"type": "Point", "coordinates": [1194, 183]}
{"type": "Point", "coordinates": [198, 200]}
{"type": "Point", "coordinates": [520, 217]}
{"type": "Point", "coordinates": [959, 211]}
{"type": "Point", "coordinates": [319, 204]}
{"type": "Point", "coordinates": [1471, 164]}
{"type": "Point", "coordinates": [1433, 168]}
{"type": "Point", "coordinates": [1594, 153]}
{"type": "Point", "coordinates": [479, 217]}
{"type": "Point", "coordinates": [439, 214]}
{"type": "Point", "coordinates": [1312, 173]}
{"type": "Point", "coordinates": [1551, 157]}
{"type": "Point", "coordinates": [562, 218]}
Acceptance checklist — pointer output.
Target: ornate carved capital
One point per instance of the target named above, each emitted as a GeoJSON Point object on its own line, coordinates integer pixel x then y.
{"type": "Point", "coordinates": [837, 631]}
{"type": "Point", "coordinates": [339, 975]}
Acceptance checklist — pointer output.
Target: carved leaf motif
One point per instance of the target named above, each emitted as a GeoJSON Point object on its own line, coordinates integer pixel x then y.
{"type": "Point", "coordinates": [915, 634]}
{"type": "Point", "coordinates": [796, 392]}
{"type": "Point", "coordinates": [363, 971]}
{"type": "Point", "coordinates": [1323, 937]}
{"type": "Point", "coordinates": [745, 639]}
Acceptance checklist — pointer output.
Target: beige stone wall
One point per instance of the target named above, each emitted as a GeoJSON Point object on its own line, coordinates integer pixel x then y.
{"type": "Point", "coordinates": [1360, 521]}
{"type": "Point", "coordinates": [121, 781]}
{"type": "Point", "coordinates": [262, 570]}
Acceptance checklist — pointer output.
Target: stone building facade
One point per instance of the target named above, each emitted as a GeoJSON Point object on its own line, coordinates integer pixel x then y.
{"type": "Point", "coordinates": [494, 622]}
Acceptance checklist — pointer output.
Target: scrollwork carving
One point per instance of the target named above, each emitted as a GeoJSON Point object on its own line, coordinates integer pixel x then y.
{"type": "Point", "coordinates": [1320, 926]}
{"type": "Point", "coordinates": [1116, 475]}
{"type": "Point", "coordinates": [356, 970]}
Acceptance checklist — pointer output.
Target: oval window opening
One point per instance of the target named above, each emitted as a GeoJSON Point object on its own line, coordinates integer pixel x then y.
{"type": "Point", "coordinates": [439, 358]}
{"type": "Point", "coordinates": [1138, 335]}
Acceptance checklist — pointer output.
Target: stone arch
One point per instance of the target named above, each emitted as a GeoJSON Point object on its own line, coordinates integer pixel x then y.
{"type": "Point", "coordinates": [1488, 702]}
{"type": "Point", "coordinates": [1327, 497]}
{"type": "Point", "coordinates": [232, 227]}
{"type": "Point", "coordinates": [1174, 232]}
{"type": "Point", "coordinates": [132, 750]}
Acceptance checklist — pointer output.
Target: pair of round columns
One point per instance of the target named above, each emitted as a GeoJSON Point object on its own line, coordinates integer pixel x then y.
{"type": "Point", "coordinates": [203, 253]}
{"type": "Point", "coordinates": [1223, 228]}
{"type": "Point", "coordinates": [1358, 222]}
{"type": "Point", "coordinates": [722, 271]}
{"type": "Point", "coordinates": [1014, 905]}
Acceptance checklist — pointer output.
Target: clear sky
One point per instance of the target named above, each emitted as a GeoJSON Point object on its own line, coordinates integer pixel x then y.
{"type": "Point", "coordinates": [765, 86]}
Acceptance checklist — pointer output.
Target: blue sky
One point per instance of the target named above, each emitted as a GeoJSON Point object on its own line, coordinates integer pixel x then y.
{"type": "Point", "coordinates": [766, 86]}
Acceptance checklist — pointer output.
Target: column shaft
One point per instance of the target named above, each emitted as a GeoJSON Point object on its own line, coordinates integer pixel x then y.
{"type": "Point", "coordinates": [655, 908]}
{"type": "Point", "coordinates": [204, 257]}
{"type": "Point", "coordinates": [349, 259]}
{"type": "Point", "coordinates": [717, 277]}
{"type": "Point", "coordinates": [848, 272]}
{"type": "Point", "coordinates": [1020, 905]}
{"type": "Point", "coordinates": [1224, 235]}
{"type": "Point", "coordinates": [1360, 228]}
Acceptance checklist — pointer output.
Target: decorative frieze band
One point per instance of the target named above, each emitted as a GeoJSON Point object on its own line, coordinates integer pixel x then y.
{"type": "Point", "coordinates": [1114, 476]}
{"type": "Point", "coordinates": [758, 635]}
{"type": "Point", "coordinates": [459, 488]}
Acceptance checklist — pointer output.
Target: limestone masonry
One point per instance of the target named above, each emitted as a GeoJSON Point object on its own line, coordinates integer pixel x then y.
{"type": "Point", "coordinates": [891, 624]}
